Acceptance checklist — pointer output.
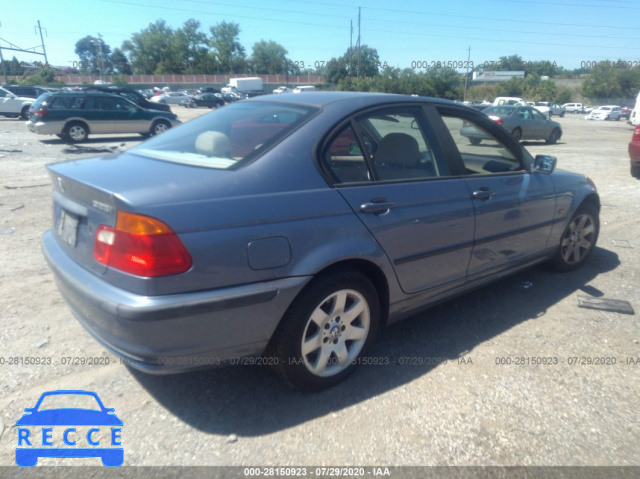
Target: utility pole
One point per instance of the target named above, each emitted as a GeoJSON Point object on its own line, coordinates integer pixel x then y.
{"type": "Point", "coordinates": [351, 50]}
{"type": "Point", "coordinates": [99, 43]}
{"type": "Point", "coordinates": [46, 62]}
{"type": "Point", "coordinates": [466, 76]}
{"type": "Point", "coordinates": [4, 65]}
{"type": "Point", "coordinates": [359, 42]}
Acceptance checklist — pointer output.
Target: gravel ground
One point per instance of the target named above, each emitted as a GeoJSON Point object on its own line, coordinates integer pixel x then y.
{"type": "Point", "coordinates": [463, 409]}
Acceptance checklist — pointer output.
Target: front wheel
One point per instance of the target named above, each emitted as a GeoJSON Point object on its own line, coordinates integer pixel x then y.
{"type": "Point", "coordinates": [579, 239]}
{"type": "Point", "coordinates": [326, 331]}
{"type": "Point", "coordinates": [554, 136]}
{"type": "Point", "coordinates": [562, 115]}
{"type": "Point", "coordinates": [635, 171]}
{"type": "Point", "coordinates": [475, 141]}
{"type": "Point", "coordinates": [517, 134]}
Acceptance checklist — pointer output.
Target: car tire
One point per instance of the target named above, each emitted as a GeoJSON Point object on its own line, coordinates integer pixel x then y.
{"type": "Point", "coordinates": [76, 132]}
{"type": "Point", "coordinates": [517, 134]}
{"type": "Point", "coordinates": [562, 115]}
{"type": "Point", "coordinates": [159, 126]}
{"type": "Point", "coordinates": [475, 141]}
{"type": "Point", "coordinates": [578, 239]}
{"type": "Point", "coordinates": [635, 171]}
{"type": "Point", "coordinates": [310, 348]}
{"type": "Point", "coordinates": [554, 136]}
{"type": "Point", "coordinates": [24, 114]}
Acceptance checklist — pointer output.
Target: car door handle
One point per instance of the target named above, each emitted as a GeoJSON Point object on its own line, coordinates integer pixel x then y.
{"type": "Point", "coordinates": [482, 194]}
{"type": "Point", "coordinates": [377, 205]}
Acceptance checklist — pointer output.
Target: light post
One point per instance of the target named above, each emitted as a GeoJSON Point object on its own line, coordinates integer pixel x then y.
{"type": "Point", "coordinates": [98, 42]}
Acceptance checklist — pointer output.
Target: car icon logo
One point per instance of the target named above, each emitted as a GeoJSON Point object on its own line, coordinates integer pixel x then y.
{"type": "Point", "coordinates": [69, 424]}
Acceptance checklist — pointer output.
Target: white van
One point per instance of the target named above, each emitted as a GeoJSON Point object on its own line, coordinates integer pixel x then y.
{"type": "Point", "coordinates": [306, 88]}
{"type": "Point", "coordinates": [509, 100]}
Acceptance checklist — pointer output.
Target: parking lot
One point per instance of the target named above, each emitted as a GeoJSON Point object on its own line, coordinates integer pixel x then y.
{"type": "Point", "coordinates": [512, 374]}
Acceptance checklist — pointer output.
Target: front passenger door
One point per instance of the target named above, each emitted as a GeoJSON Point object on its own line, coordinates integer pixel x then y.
{"type": "Point", "coordinates": [514, 208]}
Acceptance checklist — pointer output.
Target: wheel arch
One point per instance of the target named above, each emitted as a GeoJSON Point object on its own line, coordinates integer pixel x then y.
{"type": "Point", "coordinates": [372, 272]}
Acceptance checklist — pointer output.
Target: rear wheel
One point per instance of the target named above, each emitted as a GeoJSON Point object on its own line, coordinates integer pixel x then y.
{"type": "Point", "coordinates": [326, 331]}
{"type": "Point", "coordinates": [579, 239]}
{"type": "Point", "coordinates": [635, 171]}
{"type": "Point", "coordinates": [517, 134]}
{"type": "Point", "coordinates": [24, 114]}
{"type": "Point", "coordinates": [160, 126]}
{"type": "Point", "coordinates": [562, 115]}
{"type": "Point", "coordinates": [76, 132]}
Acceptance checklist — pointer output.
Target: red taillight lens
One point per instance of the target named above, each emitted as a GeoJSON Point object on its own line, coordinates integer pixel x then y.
{"type": "Point", "coordinates": [497, 119]}
{"type": "Point", "coordinates": [142, 246]}
{"type": "Point", "coordinates": [39, 112]}
{"type": "Point", "coordinates": [636, 135]}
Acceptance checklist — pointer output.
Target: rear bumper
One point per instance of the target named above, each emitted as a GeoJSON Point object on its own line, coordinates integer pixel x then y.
{"type": "Point", "coordinates": [172, 333]}
{"type": "Point", "coordinates": [50, 128]}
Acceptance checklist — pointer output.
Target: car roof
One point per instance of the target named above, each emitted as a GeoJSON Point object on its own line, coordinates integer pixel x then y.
{"type": "Point", "coordinates": [348, 99]}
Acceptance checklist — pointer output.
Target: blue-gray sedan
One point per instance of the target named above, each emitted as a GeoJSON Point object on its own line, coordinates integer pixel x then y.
{"type": "Point", "coordinates": [289, 230]}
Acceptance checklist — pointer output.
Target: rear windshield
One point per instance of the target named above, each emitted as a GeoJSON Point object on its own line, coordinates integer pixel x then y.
{"type": "Point", "coordinates": [228, 137]}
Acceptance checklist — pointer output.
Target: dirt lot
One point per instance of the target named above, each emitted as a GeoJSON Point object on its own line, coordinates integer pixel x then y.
{"type": "Point", "coordinates": [467, 411]}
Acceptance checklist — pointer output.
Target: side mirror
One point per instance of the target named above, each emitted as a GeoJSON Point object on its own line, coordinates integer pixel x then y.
{"type": "Point", "coordinates": [544, 164]}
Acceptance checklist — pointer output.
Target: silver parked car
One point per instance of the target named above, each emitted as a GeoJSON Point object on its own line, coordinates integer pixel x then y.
{"type": "Point", "coordinates": [607, 112]}
{"type": "Point", "coordinates": [293, 228]}
{"type": "Point", "coordinates": [523, 122]}
{"type": "Point", "coordinates": [172, 97]}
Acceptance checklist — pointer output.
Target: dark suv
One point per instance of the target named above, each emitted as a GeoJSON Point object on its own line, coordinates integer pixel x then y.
{"type": "Point", "coordinates": [73, 115]}
{"type": "Point", "coordinates": [131, 95]}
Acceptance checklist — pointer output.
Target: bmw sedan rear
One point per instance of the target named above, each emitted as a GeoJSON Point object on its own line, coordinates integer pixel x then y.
{"type": "Point", "coordinates": [292, 230]}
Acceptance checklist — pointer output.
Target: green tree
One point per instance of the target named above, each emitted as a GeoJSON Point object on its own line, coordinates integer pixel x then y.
{"type": "Point", "coordinates": [120, 63]}
{"type": "Point", "coordinates": [270, 57]}
{"type": "Point", "coordinates": [88, 51]}
{"type": "Point", "coordinates": [149, 49]}
{"type": "Point", "coordinates": [43, 76]}
{"type": "Point", "coordinates": [189, 47]}
{"type": "Point", "coordinates": [363, 61]}
{"type": "Point", "coordinates": [229, 54]}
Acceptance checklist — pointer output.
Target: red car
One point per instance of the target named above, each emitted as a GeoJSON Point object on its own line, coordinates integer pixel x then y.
{"type": "Point", "coordinates": [634, 153]}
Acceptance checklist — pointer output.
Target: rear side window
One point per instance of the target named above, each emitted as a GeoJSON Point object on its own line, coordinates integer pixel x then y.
{"type": "Point", "coordinates": [229, 137]}
{"type": "Point", "coordinates": [63, 102]}
{"type": "Point", "coordinates": [385, 145]}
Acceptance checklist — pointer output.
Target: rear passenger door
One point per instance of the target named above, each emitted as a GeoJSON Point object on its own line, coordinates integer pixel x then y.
{"type": "Point", "coordinates": [387, 166]}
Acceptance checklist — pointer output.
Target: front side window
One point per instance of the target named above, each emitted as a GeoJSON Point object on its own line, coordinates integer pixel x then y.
{"type": "Point", "coordinates": [481, 152]}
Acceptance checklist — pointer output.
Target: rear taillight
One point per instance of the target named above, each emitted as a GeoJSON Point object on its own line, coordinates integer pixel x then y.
{"type": "Point", "coordinates": [497, 119]}
{"type": "Point", "coordinates": [636, 135]}
{"type": "Point", "coordinates": [39, 112]}
{"type": "Point", "coordinates": [140, 245]}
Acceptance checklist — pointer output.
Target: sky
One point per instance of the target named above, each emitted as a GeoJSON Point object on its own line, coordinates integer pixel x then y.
{"type": "Point", "coordinates": [406, 33]}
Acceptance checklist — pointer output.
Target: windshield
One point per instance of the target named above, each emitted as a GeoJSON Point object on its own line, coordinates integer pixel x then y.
{"type": "Point", "coordinates": [69, 401]}
{"type": "Point", "coordinates": [226, 138]}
